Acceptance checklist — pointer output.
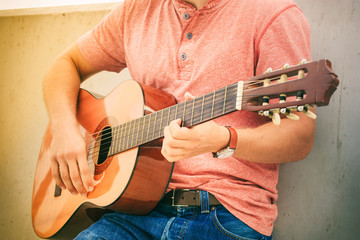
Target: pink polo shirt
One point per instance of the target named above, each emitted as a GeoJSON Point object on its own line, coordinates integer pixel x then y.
{"type": "Point", "coordinates": [170, 45]}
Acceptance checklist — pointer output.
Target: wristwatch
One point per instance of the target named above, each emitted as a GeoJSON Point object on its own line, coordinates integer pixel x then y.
{"type": "Point", "coordinates": [229, 150]}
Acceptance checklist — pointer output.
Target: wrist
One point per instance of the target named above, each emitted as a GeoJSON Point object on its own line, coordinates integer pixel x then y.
{"type": "Point", "coordinates": [230, 147]}
{"type": "Point", "coordinates": [61, 124]}
{"type": "Point", "coordinates": [222, 138]}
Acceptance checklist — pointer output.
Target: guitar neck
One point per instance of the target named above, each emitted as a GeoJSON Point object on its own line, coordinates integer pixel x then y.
{"type": "Point", "coordinates": [311, 83]}
{"type": "Point", "coordinates": [192, 112]}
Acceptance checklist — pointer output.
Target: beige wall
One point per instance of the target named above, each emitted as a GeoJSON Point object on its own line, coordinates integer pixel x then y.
{"type": "Point", "coordinates": [28, 45]}
{"type": "Point", "coordinates": [319, 197]}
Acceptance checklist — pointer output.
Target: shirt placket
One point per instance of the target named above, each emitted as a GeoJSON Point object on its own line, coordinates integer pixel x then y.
{"type": "Point", "coordinates": [185, 54]}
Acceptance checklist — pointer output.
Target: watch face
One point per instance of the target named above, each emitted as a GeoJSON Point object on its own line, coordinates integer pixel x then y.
{"type": "Point", "coordinates": [226, 153]}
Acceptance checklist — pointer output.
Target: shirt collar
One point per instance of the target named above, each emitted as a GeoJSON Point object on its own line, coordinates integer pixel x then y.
{"type": "Point", "coordinates": [211, 5]}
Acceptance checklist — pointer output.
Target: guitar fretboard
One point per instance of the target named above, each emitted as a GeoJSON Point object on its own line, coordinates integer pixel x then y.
{"type": "Point", "coordinates": [192, 112]}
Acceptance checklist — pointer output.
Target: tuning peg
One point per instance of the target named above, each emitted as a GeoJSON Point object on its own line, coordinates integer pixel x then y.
{"type": "Point", "coordinates": [268, 70]}
{"type": "Point", "coordinates": [289, 114]}
{"type": "Point", "coordinates": [273, 114]}
{"type": "Point", "coordinates": [303, 61]}
{"type": "Point", "coordinates": [276, 118]}
{"type": "Point", "coordinates": [310, 114]}
{"type": "Point", "coordinates": [286, 65]}
{"type": "Point", "coordinates": [292, 116]}
{"type": "Point", "coordinates": [305, 110]}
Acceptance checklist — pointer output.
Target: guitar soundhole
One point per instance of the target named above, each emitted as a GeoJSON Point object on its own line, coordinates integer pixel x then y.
{"type": "Point", "coordinates": [105, 144]}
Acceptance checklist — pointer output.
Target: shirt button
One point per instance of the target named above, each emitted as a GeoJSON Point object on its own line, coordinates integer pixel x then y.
{"type": "Point", "coordinates": [186, 16]}
{"type": "Point", "coordinates": [183, 56]}
{"type": "Point", "coordinates": [189, 36]}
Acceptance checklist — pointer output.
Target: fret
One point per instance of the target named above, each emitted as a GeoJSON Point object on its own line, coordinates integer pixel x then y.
{"type": "Point", "coordinates": [196, 114]}
{"type": "Point", "coordinates": [218, 109]}
{"type": "Point", "coordinates": [120, 138]}
{"type": "Point", "coordinates": [164, 121]}
{"type": "Point", "coordinates": [192, 112]}
{"type": "Point", "coordinates": [123, 141]}
{"type": "Point", "coordinates": [131, 136]}
{"type": "Point", "coordinates": [143, 130]}
{"type": "Point", "coordinates": [183, 115]}
{"type": "Point", "coordinates": [202, 108]}
{"type": "Point", "coordinates": [176, 111]}
{"type": "Point", "coordinates": [168, 118]}
{"type": "Point", "coordinates": [213, 103]}
{"type": "Point", "coordinates": [111, 143]}
{"type": "Point", "coordinates": [117, 139]}
{"type": "Point", "coordinates": [207, 107]}
{"type": "Point", "coordinates": [161, 120]}
{"type": "Point", "coordinates": [138, 140]}
{"type": "Point", "coordinates": [113, 146]}
{"type": "Point", "coordinates": [224, 105]}
{"type": "Point", "coordinates": [128, 135]}
{"type": "Point", "coordinates": [148, 128]}
{"type": "Point", "coordinates": [134, 135]}
{"type": "Point", "coordinates": [114, 141]}
{"type": "Point", "coordinates": [154, 128]}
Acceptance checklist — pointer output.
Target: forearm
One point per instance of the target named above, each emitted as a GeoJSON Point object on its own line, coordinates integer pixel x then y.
{"type": "Point", "coordinates": [61, 86]}
{"type": "Point", "coordinates": [67, 149]}
{"type": "Point", "coordinates": [290, 141]}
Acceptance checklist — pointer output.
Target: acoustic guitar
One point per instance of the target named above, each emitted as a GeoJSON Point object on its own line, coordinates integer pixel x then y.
{"type": "Point", "coordinates": [123, 133]}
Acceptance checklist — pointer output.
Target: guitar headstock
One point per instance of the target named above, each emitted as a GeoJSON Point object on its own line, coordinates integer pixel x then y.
{"type": "Point", "coordinates": [290, 89]}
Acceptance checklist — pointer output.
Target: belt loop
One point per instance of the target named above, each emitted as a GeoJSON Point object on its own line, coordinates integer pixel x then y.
{"type": "Point", "coordinates": [204, 195]}
{"type": "Point", "coordinates": [173, 198]}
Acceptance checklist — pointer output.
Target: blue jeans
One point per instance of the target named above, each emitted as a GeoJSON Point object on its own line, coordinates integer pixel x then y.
{"type": "Point", "coordinates": [167, 222]}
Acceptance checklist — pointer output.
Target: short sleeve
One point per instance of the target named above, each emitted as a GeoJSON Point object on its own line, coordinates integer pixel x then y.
{"type": "Point", "coordinates": [285, 40]}
{"type": "Point", "coordinates": [103, 46]}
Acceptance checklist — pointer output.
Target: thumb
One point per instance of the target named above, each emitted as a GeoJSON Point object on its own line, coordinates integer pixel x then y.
{"type": "Point", "coordinates": [188, 96]}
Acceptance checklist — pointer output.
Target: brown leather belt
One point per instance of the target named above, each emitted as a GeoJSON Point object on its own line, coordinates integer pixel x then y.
{"type": "Point", "coordinates": [184, 197]}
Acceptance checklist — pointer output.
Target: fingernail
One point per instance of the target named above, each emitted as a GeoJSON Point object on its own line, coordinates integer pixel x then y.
{"type": "Point", "coordinates": [91, 189]}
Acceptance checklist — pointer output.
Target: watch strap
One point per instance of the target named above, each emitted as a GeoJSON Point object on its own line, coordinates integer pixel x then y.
{"type": "Point", "coordinates": [233, 137]}
{"type": "Point", "coordinates": [231, 147]}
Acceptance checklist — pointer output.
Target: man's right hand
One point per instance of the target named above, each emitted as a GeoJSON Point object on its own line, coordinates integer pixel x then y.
{"type": "Point", "coordinates": [68, 149]}
{"type": "Point", "coordinates": [69, 161]}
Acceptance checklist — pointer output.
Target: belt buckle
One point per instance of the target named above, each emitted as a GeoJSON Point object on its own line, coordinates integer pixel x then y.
{"type": "Point", "coordinates": [173, 198]}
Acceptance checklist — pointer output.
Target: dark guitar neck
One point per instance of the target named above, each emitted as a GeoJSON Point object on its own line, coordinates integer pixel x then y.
{"type": "Point", "coordinates": [192, 112]}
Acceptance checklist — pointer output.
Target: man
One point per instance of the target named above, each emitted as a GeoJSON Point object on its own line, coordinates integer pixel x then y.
{"type": "Point", "coordinates": [190, 47]}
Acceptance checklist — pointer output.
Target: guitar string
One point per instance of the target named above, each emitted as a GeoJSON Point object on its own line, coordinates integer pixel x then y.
{"type": "Point", "coordinates": [131, 129]}
{"type": "Point", "coordinates": [131, 132]}
{"type": "Point", "coordinates": [247, 85]}
{"type": "Point", "coordinates": [132, 144]}
{"type": "Point", "coordinates": [131, 135]}
{"type": "Point", "coordinates": [207, 97]}
{"type": "Point", "coordinates": [210, 95]}
{"type": "Point", "coordinates": [131, 140]}
{"type": "Point", "coordinates": [195, 110]}
{"type": "Point", "coordinates": [134, 133]}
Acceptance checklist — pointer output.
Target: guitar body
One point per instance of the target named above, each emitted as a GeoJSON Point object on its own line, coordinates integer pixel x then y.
{"type": "Point", "coordinates": [131, 182]}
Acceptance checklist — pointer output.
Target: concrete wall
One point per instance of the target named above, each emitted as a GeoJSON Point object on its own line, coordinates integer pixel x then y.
{"type": "Point", "coordinates": [319, 196]}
